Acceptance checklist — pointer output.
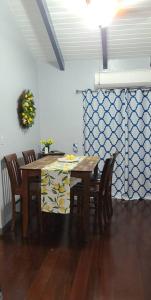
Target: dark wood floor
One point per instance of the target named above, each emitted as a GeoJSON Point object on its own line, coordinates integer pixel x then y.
{"type": "Point", "coordinates": [57, 266]}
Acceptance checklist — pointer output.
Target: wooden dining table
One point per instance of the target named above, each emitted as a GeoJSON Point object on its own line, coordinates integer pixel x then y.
{"type": "Point", "coordinates": [83, 170]}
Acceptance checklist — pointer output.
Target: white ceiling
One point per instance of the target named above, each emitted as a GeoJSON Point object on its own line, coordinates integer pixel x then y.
{"type": "Point", "coordinates": [128, 36]}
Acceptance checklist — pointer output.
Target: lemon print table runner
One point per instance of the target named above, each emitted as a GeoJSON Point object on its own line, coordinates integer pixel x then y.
{"type": "Point", "coordinates": [55, 186]}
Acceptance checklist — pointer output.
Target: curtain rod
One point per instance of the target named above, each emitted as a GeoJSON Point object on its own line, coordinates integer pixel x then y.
{"type": "Point", "coordinates": [83, 91]}
{"type": "Point", "coordinates": [110, 89]}
{"type": "Point", "coordinates": [80, 91]}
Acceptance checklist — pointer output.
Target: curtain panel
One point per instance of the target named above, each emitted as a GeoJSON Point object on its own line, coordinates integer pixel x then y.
{"type": "Point", "coordinates": [120, 120]}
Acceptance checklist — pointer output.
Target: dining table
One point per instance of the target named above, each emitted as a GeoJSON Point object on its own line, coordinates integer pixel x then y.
{"type": "Point", "coordinates": [83, 170]}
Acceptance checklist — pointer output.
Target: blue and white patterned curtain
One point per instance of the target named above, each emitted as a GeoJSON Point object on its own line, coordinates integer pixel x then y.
{"type": "Point", "coordinates": [120, 119]}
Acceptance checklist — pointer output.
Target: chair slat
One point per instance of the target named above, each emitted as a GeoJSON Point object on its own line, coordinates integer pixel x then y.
{"type": "Point", "coordinates": [29, 156]}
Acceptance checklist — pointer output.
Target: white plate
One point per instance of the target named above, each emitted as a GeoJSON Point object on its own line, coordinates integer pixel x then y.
{"type": "Point", "coordinates": [65, 160]}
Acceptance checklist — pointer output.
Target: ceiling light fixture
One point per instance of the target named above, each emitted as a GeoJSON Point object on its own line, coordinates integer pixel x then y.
{"type": "Point", "coordinates": [102, 13]}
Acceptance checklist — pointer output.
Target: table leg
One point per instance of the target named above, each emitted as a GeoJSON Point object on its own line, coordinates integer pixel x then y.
{"type": "Point", "coordinates": [25, 203]}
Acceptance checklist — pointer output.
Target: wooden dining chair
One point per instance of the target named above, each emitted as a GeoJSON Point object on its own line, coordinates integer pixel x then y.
{"type": "Point", "coordinates": [105, 207]}
{"type": "Point", "coordinates": [109, 206]}
{"type": "Point", "coordinates": [29, 156]}
{"type": "Point", "coordinates": [16, 187]}
{"type": "Point", "coordinates": [100, 192]}
{"type": "Point", "coordinates": [97, 194]}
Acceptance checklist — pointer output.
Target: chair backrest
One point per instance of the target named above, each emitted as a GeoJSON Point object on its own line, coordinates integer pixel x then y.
{"type": "Point", "coordinates": [29, 156]}
{"type": "Point", "coordinates": [114, 155]}
{"type": "Point", "coordinates": [105, 175]}
{"type": "Point", "coordinates": [110, 175]}
{"type": "Point", "coordinates": [13, 171]}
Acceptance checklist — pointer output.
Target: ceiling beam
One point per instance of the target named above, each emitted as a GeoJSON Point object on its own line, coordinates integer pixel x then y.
{"type": "Point", "coordinates": [104, 47]}
{"type": "Point", "coordinates": [51, 32]}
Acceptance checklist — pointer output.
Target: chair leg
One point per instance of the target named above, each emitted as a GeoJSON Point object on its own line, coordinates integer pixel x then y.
{"type": "Point", "coordinates": [13, 213]}
{"type": "Point", "coordinates": [104, 211]}
{"type": "Point", "coordinates": [109, 206]}
{"type": "Point", "coordinates": [99, 214]}
{"type": "Point", "coordinates": [96, 212]}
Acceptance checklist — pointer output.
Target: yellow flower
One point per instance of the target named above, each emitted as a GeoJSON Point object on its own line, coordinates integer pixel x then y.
{"type": "Point", "coordinates": [43, 190]}
{"type": "Point", "coordinates": [50, 141]}
{"type": "Point", "coordinates": [62, 210]}
{"type": "Point", "coordinates": [47, 207]}
{"type": "Point", "coordinates": [56, 186]}
{"type": "Point", "coordinates": [44, 180]}
{"type": "Point", "coordinates": [42, 142]}
{"type": "Point", "coordinates": [43, 172]}
{"type": "Point", "coordinates": [47, 142]}
{"type": "Point", "coordinates": [66, 181]}
{"type": "Point", "coordinates": [61, 202]}
{"type": "Point", "coordinates": [70, 156]}
{"type": "Point", "coordinates": [61, 189]}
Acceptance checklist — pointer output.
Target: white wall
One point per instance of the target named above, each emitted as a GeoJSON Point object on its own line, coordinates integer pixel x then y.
{"type": "Point", "coordinates": [60, 107]}
{"type": "Point", "coordinates": [17, 72]}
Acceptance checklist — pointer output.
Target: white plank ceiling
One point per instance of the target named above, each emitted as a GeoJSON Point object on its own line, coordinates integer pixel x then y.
{"type": "Point", "coordinates": [128, 36]}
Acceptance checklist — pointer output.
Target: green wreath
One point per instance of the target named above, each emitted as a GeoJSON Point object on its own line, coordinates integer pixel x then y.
{"type": "Point", "coordinates": [26, 109]}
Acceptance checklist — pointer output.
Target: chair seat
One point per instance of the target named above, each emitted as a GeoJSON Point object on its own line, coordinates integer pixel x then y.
{"type": "Point", "coordinates": [79, 187]}
{"type": "Point", "coordinates": [34, 189]}
{"type": "Point", "coordinates": [93, 185]}
{"type": "Point", "coordinates": [18, 190]}
{"type": "Point", "coordinates": [96, 178]}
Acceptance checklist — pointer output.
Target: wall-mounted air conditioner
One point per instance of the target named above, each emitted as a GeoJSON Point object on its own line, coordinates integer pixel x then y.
{"type": "Point", "coordinates": [125, 79]}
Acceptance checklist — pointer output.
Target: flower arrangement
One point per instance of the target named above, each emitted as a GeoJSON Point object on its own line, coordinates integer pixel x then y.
{"type": "Point", "coordinates": [47, 142]}
{"type": "Point", "coordinates": [26, 109]}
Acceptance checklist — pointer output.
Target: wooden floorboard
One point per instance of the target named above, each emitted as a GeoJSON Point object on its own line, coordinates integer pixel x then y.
{"type": "Point", "coordinates": [57, 265]}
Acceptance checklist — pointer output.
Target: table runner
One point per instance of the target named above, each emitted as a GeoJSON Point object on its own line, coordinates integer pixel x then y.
{"type": "Point", "coordinates": [55, 186]}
